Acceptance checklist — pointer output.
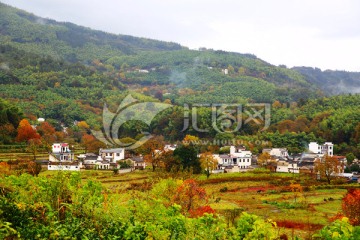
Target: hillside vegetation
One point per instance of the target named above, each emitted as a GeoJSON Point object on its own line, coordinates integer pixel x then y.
{"type": "Point", "coordinates": [65, 73]}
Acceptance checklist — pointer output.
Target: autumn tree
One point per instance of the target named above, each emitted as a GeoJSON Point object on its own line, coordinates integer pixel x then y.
{"type": "Point", "coordinates": [4, 169]}
{"type": "Point", "coordinates": [90, 143]}
{"type": "Point", "coordinates": [351, 206]}
{"type": "Point", "coordinates": [33, 147]}
{"type": "Point", "coordinates": [264, 158]}
{"type": "Point", "coordinates": [208, 163]}
{"type": "Point", "coordinates": [33, 168]}
{"type": "Point", "coordinates": [47, 132]}
{"type": "Point", "coordinates": [296, 189]}
{"type": "Point", "coordinates": [190, 140]}
{"type": "Point", "coordinates": [151, 150]}
{"type": "Point", "coordinates": [276, 104]}
{"type": "Point", "coordinates": [169, 161]}
{"type": "Point", "coordinates": [83, 125]}
{"type": "Point", "coordinates": [26, 132]}
{"type": "Point", "coordinates": [327, 167]}
{"type": "Point", "coordinates": [190, 196]}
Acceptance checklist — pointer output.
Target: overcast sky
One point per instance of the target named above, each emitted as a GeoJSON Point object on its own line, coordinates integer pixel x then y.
{"type": "Point", "coordinates": [316, 33]}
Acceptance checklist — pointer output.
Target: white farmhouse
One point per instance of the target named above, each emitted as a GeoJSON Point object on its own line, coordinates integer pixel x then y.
{"type": "Point", "coordinates": [277, 152]}
{"type": "Point", "coordinates": [287, 167]}
{"type": "Point", "coordinates": [62, 158]}
{"type": "Point", "coordinates": [112, 154]}
{"type": "Point", "coordinates": [61, 153]}
{"type": "Point", "coordinates": [326, 148]}
{"type": "Point", "coordinates": [238, 157]}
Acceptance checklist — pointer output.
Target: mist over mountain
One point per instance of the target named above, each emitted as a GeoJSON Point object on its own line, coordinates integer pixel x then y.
{"type": "Point", "coordinates": [332, 82]}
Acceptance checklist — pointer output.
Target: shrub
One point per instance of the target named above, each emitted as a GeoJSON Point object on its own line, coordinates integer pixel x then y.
{"type": "Point", "coordinates": [351, 206]}
{"type": "Point", "coordinates": [340, 229]}
{"type": "Point", "coordinates": [224, 189]}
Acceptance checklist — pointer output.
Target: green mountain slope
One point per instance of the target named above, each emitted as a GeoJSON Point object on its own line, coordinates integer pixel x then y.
{"type": "Point", "coordinates": [66, 40]}
{"type": "Point", "coordinates": [144, 62]}
{"type": "Point", "coordinates": [67, 72]}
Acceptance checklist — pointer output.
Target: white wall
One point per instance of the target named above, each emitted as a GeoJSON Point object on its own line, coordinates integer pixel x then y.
{"type": "Point", "coordinates": [63, 167]}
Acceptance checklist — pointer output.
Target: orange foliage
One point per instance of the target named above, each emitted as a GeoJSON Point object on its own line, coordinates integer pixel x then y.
{"type": "Point", "coordinates": [26, 132]}
{"type": "Point", "coordinates": [351, 206]}
{"type": "Point", "coordinates": [83, 125]}
{"type": "Point", "coordinates": [190, 196]}
{"type": "Point", "coordinates": [4, 168]}
{"type": "Point", "coordinates": [199, 212]}
{"type": "Point", "coordinates": [298, 225]}
{"type": "Point", "coordinates": [90, 143]}
{"type": "Point", "coordinates": [45, 128]}
{"type": "Point", "coordinates": [47, 131]}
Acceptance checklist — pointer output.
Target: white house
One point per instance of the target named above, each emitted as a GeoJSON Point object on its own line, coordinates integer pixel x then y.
{"type": "Point", "coordinates": [277, 152]}
{"type": "Point", "coordinates": [238, 157]}
{"type": "Point", "coordinates": [61, 153]}
{"type": "Point", "coordinates": [61, 158]}
{"type": "Point", "coordinates": [137, 162]}
{"type": "Point", "coordinates": [103, 164]}
{"type": "Point", "coordinates": [88, 159]}
{"type": "Point", "coordinates": [327, 148]}
{"type": "Point", "coordinates": [287, 167]}
{"type": "Point", "coordinates": [112, 154]}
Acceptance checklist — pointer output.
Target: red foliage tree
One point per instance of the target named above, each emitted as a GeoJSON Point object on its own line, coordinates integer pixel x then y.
{"type": "Point", "coordinates": [351, 206]}
{"type": "Point", "coordinates": [90, 143]}
{"type": "Point", "coordinates": [190, 196]}
{"type": "Point", "coordinates": [47, 131]}
{"type": "Point", "coordinates": [26, 132]}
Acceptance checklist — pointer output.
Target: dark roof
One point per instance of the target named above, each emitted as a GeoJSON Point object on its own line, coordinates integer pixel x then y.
{"type": "Point", "coordinates": [91, 157]}
{"type": "Point", "coordinates": [41, 161]}
{"type": "Point", "coordinates": [112, 150]}
{"type": "Point", "coordinates": [305, 163]}
{"type": "Point", "coordinates": [136, 159]}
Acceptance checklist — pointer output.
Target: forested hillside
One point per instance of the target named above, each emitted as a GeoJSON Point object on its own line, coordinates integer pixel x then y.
{"type": "Point", "coordinates": [197, 76]}
{"type": "Point", "coordinates": [64, 72]}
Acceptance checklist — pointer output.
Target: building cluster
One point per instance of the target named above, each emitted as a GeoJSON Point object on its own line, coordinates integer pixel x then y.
{"type": "Point", "coordinates": [62, 158]}
{"type": "Point", "coordinates": [239, 159]}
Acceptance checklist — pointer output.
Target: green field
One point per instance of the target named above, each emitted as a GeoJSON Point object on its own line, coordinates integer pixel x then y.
{"type": "Point", "coordinates": [296, 213]}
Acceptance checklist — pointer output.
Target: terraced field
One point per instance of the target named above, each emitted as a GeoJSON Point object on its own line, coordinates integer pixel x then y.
{"type": "Point", "coordinates": [264, 194]}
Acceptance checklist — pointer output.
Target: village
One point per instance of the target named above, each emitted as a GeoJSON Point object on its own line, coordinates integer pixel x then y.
{"type": "Point", "coordinates": [238, 159]}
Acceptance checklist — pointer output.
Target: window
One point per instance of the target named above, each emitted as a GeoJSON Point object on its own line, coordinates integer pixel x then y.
{"type": "Point", "coordinates": [118, 154]}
